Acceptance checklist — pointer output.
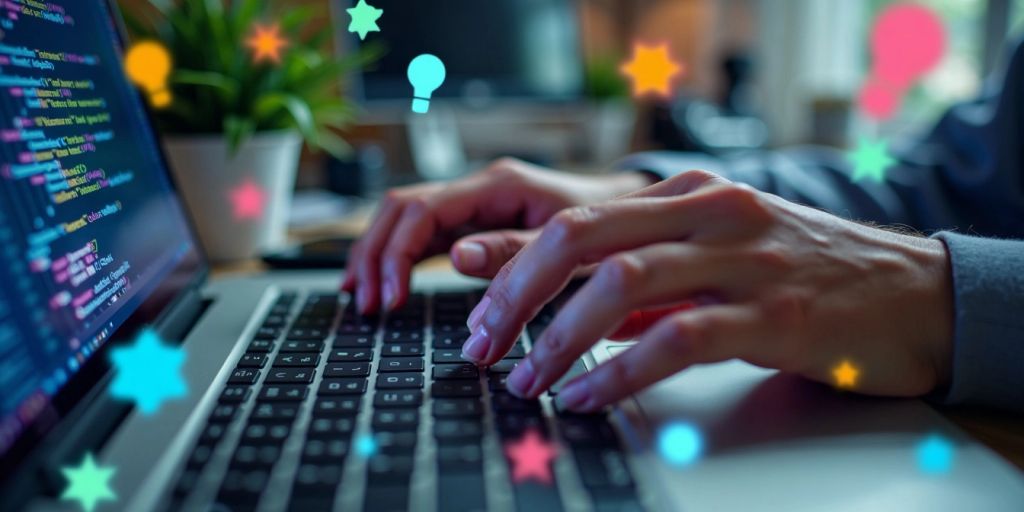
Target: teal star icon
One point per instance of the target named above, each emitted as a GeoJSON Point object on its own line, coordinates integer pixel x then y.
{"type": "Point", "coordinates": [935, 455]}
{"type": "Point", "coordinates": [364, 18]}
{"type": "Point", "coordinates": [148, 372]}
{"type": "Point", "coordinates": [88, 483]}
{"type": "Point", "coordinates": [870, 160]}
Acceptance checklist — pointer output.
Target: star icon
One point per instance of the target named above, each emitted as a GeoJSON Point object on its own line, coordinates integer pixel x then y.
{"type": "Point", "coordinates": [88, 483]}
{"type": "Point", "coordinates": [870, 160]}
{"type": "Point", "coordinates": [364, 18]}
{"type": "Point", "coordinates": [248, 200]}
{"type": "Point", "coordinates": [652, 70]}
{"type": "Point", "coordinates": [531, 458]}
{"type": "Point", "coordinates": [266, 43]}
{"type": "Point", "coordinates": [935, 455]}
{"type": "Point", "coordinates": [846, 375]}
{"type": "Point", "coordinates": [148, 372]}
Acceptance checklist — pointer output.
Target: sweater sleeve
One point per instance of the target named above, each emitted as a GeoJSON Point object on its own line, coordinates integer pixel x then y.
{"type": "Point", "coordinates": [988, 353]}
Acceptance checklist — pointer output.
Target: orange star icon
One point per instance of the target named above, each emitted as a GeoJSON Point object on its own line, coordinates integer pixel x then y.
{"type": "Point", "coordinates": [652, 70]}
{"type": "Point", "coordinates": [266, 43]}
{"type": "Point", "coordinates": [846, 375]}
{"type": "Point", "coordinates": [531, 458]}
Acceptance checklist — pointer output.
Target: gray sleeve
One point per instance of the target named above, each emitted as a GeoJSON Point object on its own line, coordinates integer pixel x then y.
{"type": "Point", "coordinates": [988, 287]}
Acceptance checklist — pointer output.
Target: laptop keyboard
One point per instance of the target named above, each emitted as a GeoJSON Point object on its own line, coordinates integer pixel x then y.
{"type": "Point", "coordinates": [327, 410]}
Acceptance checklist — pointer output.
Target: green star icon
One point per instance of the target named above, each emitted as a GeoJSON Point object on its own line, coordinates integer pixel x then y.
{"type": "Point", "coordinates": [88, 483]}
{"type": "Point", "coordinates": [870, 160]}
{"type": "Point", "coordinates": [364, 18]}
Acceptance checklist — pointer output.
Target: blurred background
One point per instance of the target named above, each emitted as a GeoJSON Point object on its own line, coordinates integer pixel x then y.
{"type": "Point", "coordinates": [541, 80]}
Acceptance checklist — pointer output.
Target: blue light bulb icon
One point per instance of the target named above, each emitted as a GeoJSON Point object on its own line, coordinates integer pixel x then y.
{"type": "Point", "coordinates": [426, 74]}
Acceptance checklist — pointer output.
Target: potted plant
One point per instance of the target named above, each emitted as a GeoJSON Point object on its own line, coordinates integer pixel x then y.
{"type": "Point", "coordinates": [248, 85]}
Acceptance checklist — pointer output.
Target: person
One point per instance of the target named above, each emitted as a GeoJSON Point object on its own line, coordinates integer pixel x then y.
{"type": "Point", "coordinates": [741, 263]}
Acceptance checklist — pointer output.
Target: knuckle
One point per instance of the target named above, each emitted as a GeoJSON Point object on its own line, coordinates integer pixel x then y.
{"type": "Point", "coordinates": [505, 167]}
{"type": "Point", "coordinates": [621, 273]}
{"type": "Point", "coordinates": [418, 205]}
{"type": "Point", "coordinates": [786, 312]}
{"type": "Point", "coordinates": [773, 260]}
{"type": "Point", "coordinates": [553, 342]}
{"type": "Point", "coordinates": [619, 372]}
{"type": "Point", "coordinates": [744, 201]}
{"type": "Point", "coordinates": [688, 334]}
{"type": "Point", "coordinates": [567, 226]}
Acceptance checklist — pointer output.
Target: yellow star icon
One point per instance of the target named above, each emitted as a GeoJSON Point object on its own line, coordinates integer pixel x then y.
{"type": "Point", "coordinates": [652, 70]}
{"type": "Point", "coordinates": [266, 43]}
{"type": "Point", "coordinates": [846, 375]}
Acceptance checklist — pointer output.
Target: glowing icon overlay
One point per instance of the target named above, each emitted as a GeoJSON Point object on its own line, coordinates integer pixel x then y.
{"type": "Point", "coordinates": [364, 18]}
{"type": "Point", "coordinates": [870, 161]}
{"type": "Point", "coordinates": [266, 43]}
{"type": "Point", "coordinates": [88, 483]}
{"type": "Point", "coordinates": [845, 375]}
{"type": "Point", "coordinates": [652, 70]}
{"type": "Point", "coordinates": [148, 64]}
{"type": "Point", "coordinates": [366, 446]}
{"type": "Point", "coordinates": [680, 444]}
{"type": "Point", "coordinates": [935, 455]}
{"type": "Point", "coordinates": [248, 201]}
{"type": "Point", "coordinates": [531, 457]}
{"type": "Point", "coordinates": [907, 41]}
{"type": "Point", "coordinates": [426, 73]}
{"type": "Point", "coordinates": [148, 372]}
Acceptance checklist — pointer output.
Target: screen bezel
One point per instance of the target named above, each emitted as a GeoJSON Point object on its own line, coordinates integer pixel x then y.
{"type": "Point", "coordinates": [189, 274]}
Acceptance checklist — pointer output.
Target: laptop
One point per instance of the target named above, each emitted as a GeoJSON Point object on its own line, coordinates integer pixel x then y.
{"type": "Point", "coordinates": [292, 401]}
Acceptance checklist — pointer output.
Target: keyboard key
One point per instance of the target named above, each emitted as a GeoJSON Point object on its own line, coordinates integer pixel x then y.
{"type": "Point", "coordinates": [241, 489]}
{"type": "Point", "coordinates": [347, 370]}
{"type": "Point", "coordinates": [298, 359]}
{"type": "Point", "coordinates": [255, 455]}
{"type": "Point", "coordinates": [503, 366]}
{"type": "Point", "coordinates": [402, 350]}
{"type": "Point", "coordinates": [401, 364]}
{"type": "Point", "coordinates": [533, 496]}
{"type": "Point", "coordinates": [615, 500]}
{"type": "Point", "coordinates": [403, 336]}
{"type": "Point", "coordinates": [387, 498]}
{"type": "Point", "coordinates": [389, 468]}
{"type": "Point", "coordinates": [460, 458]}
{"type": "Point", "coordinates": [456, 371]}
{"type": "Point", "coordinates": [400, 398]}
{"type": "Point", "coordinates": [461, 492]}
{"type": "Point", "coordinates": [283, 392]}
{"type": "Point", "coordinates": [202, 452]}
{"type": "Point", "coordinates": [497, 382]}
{"type": "Point", "coordinates": [290, 375]}
{"type": "Point", "coordinates": [266, 433]}
{"type": "Point", "coordinates": [512, 426]}
{"type": "Point", "coordinates": [506, 402]}
{"type": "Point", "coordinates": [396, 419]}
{"type": "Point", "coordinates": [450, 341]}
{"type": "Point", "coordinates": [244, 376]}
{"type": "Point", "coordinates": [302, 346]}
{"type": "Point", "coordinates": [587, 430]}
{"type": "Point", "coordinates": [457, 407]}
{"type": "Point", "coordinates": [274, 412]}
{"type": "Point", "coordinates": [398, 442]}
{"type": "Point", "coordinates": [447, 355]}
{"type": "Point", "coordinates": [325, 450]}
{"type": "Point", "coordinates": [235, 394]}
{"type": "Point", "coordinates": [252, 360]}
{"type": "Point", "coordinates": [223, 413]}
{"type": "Point", "coordinates": [332, 428]}
{"type": "Point", "coordinates": [268, 332]}
{"type": "Point", "coordinates": [317, 478]}
{"type": "Point", "coordinates": [307, 334]}
{"type": "Point", "coordinates": [449, 388]}
{"type": "Point", "coordinates": [447, 430]}
{"type": "Point", "coordinates": [354, 341]}
{"type": "Point", "coordinates": [345, 355]}
{"type": "Point", "coordinates": [350, 386]}
{"type": "Point", "coordinates": [400, 381]}
{"type": "Point", "coordinates": [603, 467]}
{"type": "Point", "coordinates": [336, 406]}
{"type": "Point", "coordinates": [261, 346]}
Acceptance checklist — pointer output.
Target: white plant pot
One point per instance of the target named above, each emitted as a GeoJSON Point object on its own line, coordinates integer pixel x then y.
{"type": "Point", "coordinates": [239, 204]}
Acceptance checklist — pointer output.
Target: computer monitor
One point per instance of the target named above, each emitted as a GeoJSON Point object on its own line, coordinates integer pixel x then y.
{"type": "Point", "coordinates": [492, 49]}
{"type": "Point", "coordinates": [94, 242]}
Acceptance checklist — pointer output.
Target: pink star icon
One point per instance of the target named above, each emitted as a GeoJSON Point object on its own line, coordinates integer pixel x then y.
{"type": "Point", "coordinates": [531, 457]}
{"type": "Point", "coordinates": [248, 200]}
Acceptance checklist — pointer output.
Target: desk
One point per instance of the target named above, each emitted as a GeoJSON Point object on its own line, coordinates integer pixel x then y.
{"type": "Point", "coordinates": [1002, 432]}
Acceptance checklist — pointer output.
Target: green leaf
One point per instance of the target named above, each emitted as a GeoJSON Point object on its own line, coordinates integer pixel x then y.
{"type": "Point", "coordinates": [301, 115]}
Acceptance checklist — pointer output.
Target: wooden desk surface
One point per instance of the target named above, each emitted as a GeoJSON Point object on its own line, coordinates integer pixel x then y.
{"type": "Point", "coordinates": [1002, 432]}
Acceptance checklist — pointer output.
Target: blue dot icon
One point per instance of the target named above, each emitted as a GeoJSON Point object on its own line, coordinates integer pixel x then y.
{"type": "Point", "coordinates": [680, 444]}
{"type": "Point", "coordinates": [366, 446]}
{"type": "Point", "coordinates": [935, 455]}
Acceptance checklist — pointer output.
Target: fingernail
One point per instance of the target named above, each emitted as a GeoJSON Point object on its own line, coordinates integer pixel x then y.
{"type": "Point", "coordinates": [477, 345]}
{"type": "Point", "coordinates": [471, 255]}
{"type": "Point", "coordinates": [521, 379]}
{"type": "Point", "coordinates": [389, 293]}
{"type": "Point", "coordinates": [574, 395]}
{"type": "Point", "coordinates": [478, 312]}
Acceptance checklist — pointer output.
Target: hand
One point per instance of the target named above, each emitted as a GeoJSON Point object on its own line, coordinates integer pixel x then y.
{"type": "Point", "coordinates": [422, 220]}
{"type": "Point", "coordinates": [779, 285]}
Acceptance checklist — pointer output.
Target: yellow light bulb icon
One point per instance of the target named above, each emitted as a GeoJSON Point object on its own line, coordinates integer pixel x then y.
{"type": "Point", "coordinates": [148, 64]}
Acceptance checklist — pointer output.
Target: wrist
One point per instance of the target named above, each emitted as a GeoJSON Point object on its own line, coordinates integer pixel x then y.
{"type": "Point", "coordinates": [938, 328]}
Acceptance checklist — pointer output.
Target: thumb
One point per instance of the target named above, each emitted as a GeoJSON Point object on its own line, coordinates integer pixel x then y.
{"type": "Point", "coordinates": [483, 254]}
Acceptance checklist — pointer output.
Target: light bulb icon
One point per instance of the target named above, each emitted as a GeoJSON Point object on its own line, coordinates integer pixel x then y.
{"type": "Point", "coordinates": [148, 64]}
{"type": "Point", "coordinates": [426, 74]}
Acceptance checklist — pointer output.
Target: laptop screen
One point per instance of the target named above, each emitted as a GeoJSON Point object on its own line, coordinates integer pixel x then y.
{"type": "Point", "coordinates": [91, 229]}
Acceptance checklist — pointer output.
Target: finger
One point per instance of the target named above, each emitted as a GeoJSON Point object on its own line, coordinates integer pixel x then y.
{"type": "Point", "coordinates": [680, 184]}
{"type": "Point", "coordinates": [483, 255]}
{"type": "Point", "coordinates": [701, 335]}
{"type": "Point", "coordinates": [573, 237]}
{"type": "Point", "coordinates": [364, 267]}
{"type": "Point", "coordinates": [655, 275]}
{"type": "Point", "coordinates": [639, 321]}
